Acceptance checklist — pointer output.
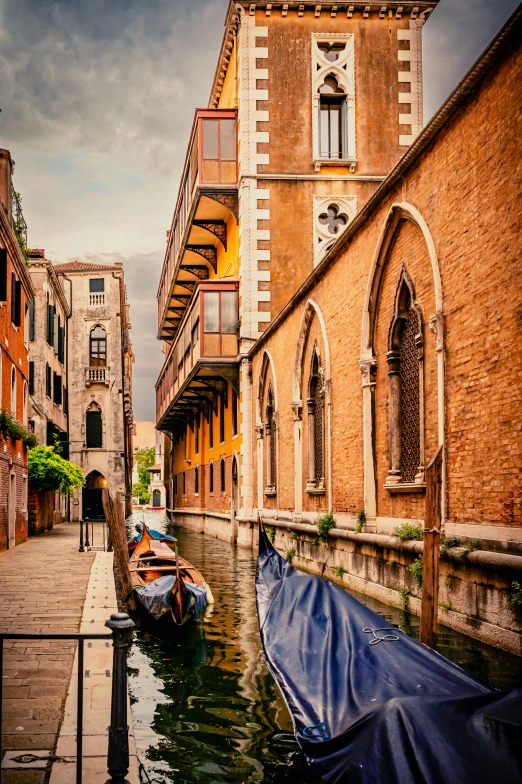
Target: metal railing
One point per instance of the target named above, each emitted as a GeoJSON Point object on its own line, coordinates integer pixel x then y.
{"type": "Point", "coordinates": [85, 544]}
{"type": "Point", "coordinates": [118, 749]}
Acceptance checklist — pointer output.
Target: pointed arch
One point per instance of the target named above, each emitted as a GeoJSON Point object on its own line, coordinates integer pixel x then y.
{"type": "Point", "coordinates": [311, 309]}
{"type": "Point", "coordinates": [267, 431]}
{"type": "Point", "coordinates": [398, 213]}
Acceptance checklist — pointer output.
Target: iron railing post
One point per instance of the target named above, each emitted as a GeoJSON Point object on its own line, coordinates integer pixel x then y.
{"type": "Point", "coordinates": [79, 715]}
{"type": "Point", "coordinates": [1, 702]}
{"type": "Point", "coordinates": [118, 753]}
{"type": "Point", "coordinates": [87, 543]}
{"type": "Point", "coordinates": [81, 548]}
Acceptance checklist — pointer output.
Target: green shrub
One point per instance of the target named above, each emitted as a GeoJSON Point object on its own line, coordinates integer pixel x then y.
{"type": "Point", "coordinates": [415, 570]}
{"type": "Point", "coordinates": [447, 542]}
{"type": "Point", "coordinates": [325, 523]}
{"type": "Point", "coordinates": [471, 545]}
{"type": "Point", "coordinates": [515, 596]}
{"type": "Point", "coordinates": [9, 427]}
{"type": "Point", "coordinates": [49, 471]}
{"type": "Point", "coordinates": [361, 521]}
{"type": "Point", "coordinates": [339, 571]}
{"type": "Point", "coordinates": [405, 594]}
{"type": "Point", "coordinates": [290, 554]}
{"type": "Point", "coordinates": [141, 491]}
{"type": "Point", "coordinates": [407, 532]}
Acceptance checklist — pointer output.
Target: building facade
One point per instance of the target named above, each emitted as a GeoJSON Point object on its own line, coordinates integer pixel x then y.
{"type": "Point", "coordinates": [16, 292]}
{"type": "Point", "coordinates": [49, 312]}
{"type": "Point", "coordinates": [100, 383]}
{"type": "Point", "coordinates": [295, 141]}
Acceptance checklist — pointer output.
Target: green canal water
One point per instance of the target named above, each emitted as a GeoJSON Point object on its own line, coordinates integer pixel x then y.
{"type": "Point", "coordinates": [205, 708]}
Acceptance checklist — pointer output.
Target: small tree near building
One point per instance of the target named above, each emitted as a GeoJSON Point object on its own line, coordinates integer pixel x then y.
{"type": "Point", "coordinates": [145, 458]}
{"type": "Point", "coordinates": [49, 471]}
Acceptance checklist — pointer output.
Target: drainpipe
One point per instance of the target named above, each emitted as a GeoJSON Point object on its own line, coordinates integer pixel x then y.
{"type": "Point", "coordinates": [69, 281]}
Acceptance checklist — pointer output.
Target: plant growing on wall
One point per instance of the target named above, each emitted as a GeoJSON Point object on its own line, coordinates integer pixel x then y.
{"type": "Point", "coordinates": [405, 594]}
{"type": "Point", "coordinates": [361, 521]}
{"type": "Point", "coordinates": [49, 471]}
{"type": "Point", "coordinates": [290, 554]}
{"type": "Point", "coordinates": [515, 597]}
{"type": "Point", "coordinates": [415, 570]}
{"type": "Point", "coordinates": [407, 532]}
{"type": "Point", "coordinates": [325, 523]}
{"type": "Point", "coordinates": [9, 427]}
{"type": "Point", "coordinates": [339, 571]}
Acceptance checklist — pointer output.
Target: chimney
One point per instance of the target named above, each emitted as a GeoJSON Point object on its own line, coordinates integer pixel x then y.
{"type": "Point", "coordinates": [6, 167]}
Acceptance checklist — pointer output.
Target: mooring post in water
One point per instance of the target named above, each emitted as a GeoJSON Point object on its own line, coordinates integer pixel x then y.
{"type": "Point", "coordinates": [431, 555]}
{"type": "Point", "coordinates": [118, 753]}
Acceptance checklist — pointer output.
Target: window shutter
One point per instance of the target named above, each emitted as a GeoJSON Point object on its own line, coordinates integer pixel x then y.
{"type": "Point", "coordinates": [48, 380]}
{"type": "Point", "coordinates": [31, 319]}
{"type": "Point", "coordinates": [13, 297]}
{"type": "Point", "coordinates": [55, 330]}
{"type": "Point", "coordinates": [65, 401]}
{"type": "Point", "coordinates": [18, 303]}
{"type": "Point", "coordinates": [49, 336]}
{"type": "Point", "coordinates": [61, 344]}
{"type": "Point", "coordinates": [94, 430]}
{"type": "Point", "coordinates": [57, 388]}
{"type": "Point", "coordinates": [3, 274]}
{"type": "Point", "coordinates": [31, 378]}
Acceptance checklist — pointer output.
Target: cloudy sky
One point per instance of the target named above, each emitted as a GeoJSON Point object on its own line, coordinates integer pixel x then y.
{"type": "Point", "coordinates": [97, 99]}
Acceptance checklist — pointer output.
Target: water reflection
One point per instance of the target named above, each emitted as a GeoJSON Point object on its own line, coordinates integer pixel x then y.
{"type": "Point", "coordinates": [205, 708]}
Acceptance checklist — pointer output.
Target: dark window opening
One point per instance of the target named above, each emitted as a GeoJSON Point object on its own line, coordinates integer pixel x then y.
{"type": "Point", "coordinates": [409, 397]}
{"type": "Point", "coordinates": [31, 378]}
{"type": "Point", "coordinates": [94, 430]}
{"type": "Point", "coordinates": [48, 380]}
{"type": "Point", "coordinates": [16, 301]}
{"type": "Point", "coordinates": [221, 419]}
{"type": "Point", "coordinates": [3, 275]}
{"type": "Point", "coordinates": [211, 478]}
{"type": "Point", "coordinates": [222, 475]}
{"type": "Point", "coordinates": [96, 285]}
{"type": "Point", "coordinates": [57, 389]}
{"type": "Point", "coordinates": [196, 481]}
{"type": "Point", "coordinates": [234, 413]}
{"type": "Point", "coordinates": [31, 319]}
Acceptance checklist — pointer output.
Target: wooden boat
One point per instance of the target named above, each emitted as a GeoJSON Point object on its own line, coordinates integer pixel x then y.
{"type": "Point", "coordinates": [154, 570]}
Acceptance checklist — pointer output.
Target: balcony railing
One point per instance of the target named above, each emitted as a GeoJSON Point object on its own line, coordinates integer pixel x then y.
{"type": "Point", "coordinates": [96, 299]}
{"type": "Point", "coordinates": [96, 375]}
{"type": "Point", "coordinates": [210, 170]}
{"type": "Point", "coordinates": [207, 338]}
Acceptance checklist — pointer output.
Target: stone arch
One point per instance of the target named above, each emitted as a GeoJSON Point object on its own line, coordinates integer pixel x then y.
{"type": "Point", "coordinates": [302, 433]}
{"type": "Point", "coordinates": [398, 214]}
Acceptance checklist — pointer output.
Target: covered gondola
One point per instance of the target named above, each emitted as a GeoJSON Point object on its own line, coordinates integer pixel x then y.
{"type": "Point", "coordinates": [369, 704]}
{"type": "Point", "coordinates": [168, 588]}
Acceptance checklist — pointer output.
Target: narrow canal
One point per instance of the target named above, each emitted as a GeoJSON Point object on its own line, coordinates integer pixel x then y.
{"type": "Point", "coordinates": [205, 708]}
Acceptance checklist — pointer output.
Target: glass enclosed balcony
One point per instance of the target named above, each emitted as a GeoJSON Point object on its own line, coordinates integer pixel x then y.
{"type": "Point", "coordinates": [203, 357]}
{"type": "Point", "coordinates": [207, 196]}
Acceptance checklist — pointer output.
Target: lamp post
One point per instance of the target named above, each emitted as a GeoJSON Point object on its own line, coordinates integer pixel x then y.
{"type": "Point", "coordinates": [87, 543]}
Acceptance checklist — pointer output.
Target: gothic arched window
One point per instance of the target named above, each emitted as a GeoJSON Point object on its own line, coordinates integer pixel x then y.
{"type": "Point", "coordinates": [332, 119]}
{"type": "Point", "coordinates": [211, 478]}
{"type": "Point", "coordinates": [13, 391]}
{"type": "Point", "coordinates": [315, 404]}
{"type": "Point", "coordinates": [405, 372]}
{"type": "Point", "coordinates": [222, 475]}
{"type": "Point", "coordinates": [270, 444]}
{"type": "Point", "coordinates": [93, 427]}
{"type": "Point", "coordinates": [98, 347]}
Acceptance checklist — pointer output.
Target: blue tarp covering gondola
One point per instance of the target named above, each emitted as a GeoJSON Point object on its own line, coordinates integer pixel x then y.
{"type": "Point", "coordinates": [370, 711]}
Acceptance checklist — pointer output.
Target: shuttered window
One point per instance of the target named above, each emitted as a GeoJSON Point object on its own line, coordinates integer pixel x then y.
{"type": "Point", "coordinates": [56, 328]}
{"type": "Point", "coordinates": [48, 381]}
{"type": "Point", "coordinates": [31, 319]}
{"type": "Point", "coordinates": [65, 401]}
{"type": "Point", "coordinates": [57, 389]}
{"type": "Point", "coordinates": [61, 345]}
{"type": "Point", "coordinates": [31, 378]}
{"type": "Point", "coordinates": [3, 275]}
{"type": "Point", "coordinates": [94, 437]}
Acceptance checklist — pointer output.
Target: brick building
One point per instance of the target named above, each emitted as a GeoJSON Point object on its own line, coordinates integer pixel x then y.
{"type": "Point", "coordinates": [378, 270]}
{"type": "Point", "coordinates": [100, 361]}
{"type": "Point", "coordinates": [16, 292]}
{"type": "Point", "coordinates": [295, 140]}
{"type": "Point", "coordinates": [404, 338]}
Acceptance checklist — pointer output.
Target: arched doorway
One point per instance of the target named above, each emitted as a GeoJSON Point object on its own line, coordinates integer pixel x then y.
{"type": "Point", "coordinates": [92, 496]}
{"type": "Point", "coordinates": [156, 498]}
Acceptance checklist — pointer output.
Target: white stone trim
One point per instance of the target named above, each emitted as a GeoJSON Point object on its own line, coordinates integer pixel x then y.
{"type": "Point", "coordinates": [323, 240]}
{"type": "Point", "coordinates": [249, 160]}
{"type": "Point", "coordinates": [344, 71]}
{"type": "Point", "coordinates": [413, 55]}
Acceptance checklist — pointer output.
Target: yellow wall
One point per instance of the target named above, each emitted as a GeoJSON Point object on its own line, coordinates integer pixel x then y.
{"type": "Point", "coordinates": [228, 260]}
{"type": "Point", "coordinates": [228, 97]}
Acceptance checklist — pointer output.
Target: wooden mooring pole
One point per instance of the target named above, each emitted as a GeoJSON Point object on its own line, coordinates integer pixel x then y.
{"type": "Point", "coordinates": [431, 555]}
{"type": "Point", "coordinates": [116, 523]}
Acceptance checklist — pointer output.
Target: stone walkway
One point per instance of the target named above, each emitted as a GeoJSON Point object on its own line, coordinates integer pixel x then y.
{"type": "Point", "coordinates": [44, 585]}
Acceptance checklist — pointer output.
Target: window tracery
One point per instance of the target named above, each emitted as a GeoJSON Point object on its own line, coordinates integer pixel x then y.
{"type": "Point", "coordinates": [332, 214]}
{"type": "Point", "coordinates": [315, 406]}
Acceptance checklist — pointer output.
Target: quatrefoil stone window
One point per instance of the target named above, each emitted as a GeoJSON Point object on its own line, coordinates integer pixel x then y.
{"type": "Point", "coordinates": [332, 214]}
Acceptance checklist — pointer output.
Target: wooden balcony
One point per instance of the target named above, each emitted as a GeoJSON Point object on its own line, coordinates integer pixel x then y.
{"type": "Point", "coordinates": [203, 358]}
{"type": "Point", "coordinates": [207, 196]}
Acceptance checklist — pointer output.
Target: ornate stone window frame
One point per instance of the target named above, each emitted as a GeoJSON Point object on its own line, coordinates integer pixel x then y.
{"type": "Point", "coordinates": [405, 293]}
{"type": "Point", "coordinates": [343, 69]}
{"type": "Point", "coordinates": [316, 388]}
{"type": "Point", "coordinates": [323, 239]}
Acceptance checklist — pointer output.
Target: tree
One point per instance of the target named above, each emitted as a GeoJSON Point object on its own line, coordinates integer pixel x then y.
{"type": "Point", "coordinates": [145, 458]}
{"type": "Point", "coordinates": [141, 492]}
{"type": "Point", "coordinates": [49, 471]}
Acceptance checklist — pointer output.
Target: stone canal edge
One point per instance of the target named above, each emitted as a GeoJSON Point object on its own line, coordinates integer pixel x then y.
{"type": "Point", "coordinates": [47, 586]}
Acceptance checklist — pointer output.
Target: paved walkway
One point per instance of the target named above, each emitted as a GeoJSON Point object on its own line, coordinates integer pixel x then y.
{"type": "Point", "coordinates": [44, 585]}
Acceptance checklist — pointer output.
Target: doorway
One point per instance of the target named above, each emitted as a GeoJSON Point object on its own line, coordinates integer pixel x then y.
{"type": "Point", "coordinates": [156, 498]}
{"type": "Point", "coordinates": [92, 506]}
{"type": "Point", "coordinates": [11, 512]}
